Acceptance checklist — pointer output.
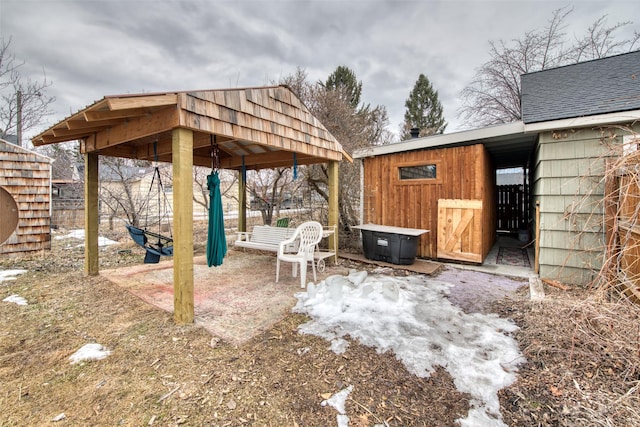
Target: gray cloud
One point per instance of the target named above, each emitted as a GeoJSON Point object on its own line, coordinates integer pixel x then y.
{"type": "Point", "coordinates": [92, 48]}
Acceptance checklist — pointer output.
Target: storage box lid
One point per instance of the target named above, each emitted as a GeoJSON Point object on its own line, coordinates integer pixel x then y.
{"type": "Point", "coordinates": [391, 229]}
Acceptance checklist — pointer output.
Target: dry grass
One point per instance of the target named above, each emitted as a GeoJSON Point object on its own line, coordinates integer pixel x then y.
{"type": "Point", "coordinates": [167, 374]}
{"type": "Point", "coordinates": [583, 363]}
{"type": "Point", "coordinates": [619, 273]}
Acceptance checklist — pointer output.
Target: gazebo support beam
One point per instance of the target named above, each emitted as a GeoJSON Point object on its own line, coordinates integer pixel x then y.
{"type": "Point", "coordinates": [183, 300]}
{"type": "Point", "coordinates": [242, 202]}
{"type": "Point", "coordinates": [91, 261]}
{"type": "Point", "coordinates": [334, 214]}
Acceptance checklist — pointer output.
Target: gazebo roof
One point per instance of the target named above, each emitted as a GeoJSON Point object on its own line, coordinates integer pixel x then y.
{"type": "Point", "coordinates": [260, 127]}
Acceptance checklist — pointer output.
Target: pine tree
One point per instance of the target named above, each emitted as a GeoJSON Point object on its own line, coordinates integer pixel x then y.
{"type": "Point", "coordinates": [344, 80]}
{"type": "Point", "coordinates": [424, 110]}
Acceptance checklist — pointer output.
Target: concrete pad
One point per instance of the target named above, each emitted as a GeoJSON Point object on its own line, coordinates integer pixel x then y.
{"type": "Point", "coordinates": [235, 301]}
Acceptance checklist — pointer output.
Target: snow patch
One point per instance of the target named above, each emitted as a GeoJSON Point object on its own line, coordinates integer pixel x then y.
{"type": "Point", "coordinates": [79, 235]}
{"type": "Point", "coordinates": [93, 351]}
{"type": "Point", "coordinates": [7, 275]}
{"type": "Point", "coordinates": [15, 299]}
{"type": "Point", "coordinates": [338, 400]}
{"type": "Point", "coordinates": [413, 318]}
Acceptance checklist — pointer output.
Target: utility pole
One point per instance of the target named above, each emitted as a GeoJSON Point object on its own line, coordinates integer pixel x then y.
{"type": "Point", "coordinates": [19, 124]}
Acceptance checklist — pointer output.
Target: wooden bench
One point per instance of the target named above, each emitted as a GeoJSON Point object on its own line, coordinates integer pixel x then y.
{"type": "Point", "coordinates": [263, 237]}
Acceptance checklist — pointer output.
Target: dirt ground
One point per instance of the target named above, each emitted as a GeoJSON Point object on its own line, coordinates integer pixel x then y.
{"type": "Point", "coordinates": [583, 360]}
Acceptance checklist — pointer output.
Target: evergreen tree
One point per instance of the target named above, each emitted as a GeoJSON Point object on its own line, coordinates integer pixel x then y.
{"type": "Point", "coordinates": [424, 110]}
{"type": "Point", "coordinates": [343, 80]}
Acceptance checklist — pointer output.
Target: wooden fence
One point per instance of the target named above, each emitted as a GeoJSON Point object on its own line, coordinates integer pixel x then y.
{"type": "Point", "coordinates": [67, 213]}
{"type": "Point", "coordinates": [622, 220]}
{"type": "Point", "coordinates": [512, 208]}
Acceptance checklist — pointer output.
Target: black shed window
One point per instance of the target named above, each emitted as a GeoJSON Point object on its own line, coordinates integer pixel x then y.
{"type": "Point", "coordinates": [418, 172]}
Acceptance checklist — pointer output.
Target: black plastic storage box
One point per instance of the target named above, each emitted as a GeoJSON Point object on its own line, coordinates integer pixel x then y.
{"type": "Point", "coordinates": [389, 247]}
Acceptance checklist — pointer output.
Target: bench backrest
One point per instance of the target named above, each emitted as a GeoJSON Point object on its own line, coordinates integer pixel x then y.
{"type": "Point", "coordinates": [270, 235]}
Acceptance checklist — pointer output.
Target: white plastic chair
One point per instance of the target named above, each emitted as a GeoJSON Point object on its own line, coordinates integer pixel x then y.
{"type": "Point", "coordinates": [307, 236]}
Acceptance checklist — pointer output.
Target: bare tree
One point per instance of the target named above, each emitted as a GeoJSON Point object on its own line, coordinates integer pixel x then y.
{"type": "Point", "coordinates": [270, 189]}
{"type": "Point", "coordinates": [65, 156]}
{"type": "Point", "coordinates": [228, 180]}
{"type": "Point", "coordinates": [493, 97]}
{"type": "Point", "coordinates": [23, 102]}
{"type": "Point", "coordinates": [354, 130]}
{"type": "Point", "coordinates": [354, 126]}
{"type": "Point", "coordinates": [599, 41]}
{"type": "Point", "coordinates": [120, 193]}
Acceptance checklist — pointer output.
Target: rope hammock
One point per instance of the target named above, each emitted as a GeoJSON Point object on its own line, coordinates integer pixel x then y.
{"type": "Point", "coordinates": [155, 243]}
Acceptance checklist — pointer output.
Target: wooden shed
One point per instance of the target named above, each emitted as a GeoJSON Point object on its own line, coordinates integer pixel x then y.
{"type": "Point", "coordinates": [445, 184]}
{"type": "Point", "coordinates": [25, 200]}
{"type": "Point", "coordinates": [574, 119]}
{"type": "Point", "coordinates": [449, 191]}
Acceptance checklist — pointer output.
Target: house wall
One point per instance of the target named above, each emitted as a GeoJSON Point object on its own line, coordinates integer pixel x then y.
{"type": "Point", "coordinates": [462, 173]}
{"type": "Point", "coordinates": [568, 182]}
{"type": "Point", "coordinates": [26, 177]}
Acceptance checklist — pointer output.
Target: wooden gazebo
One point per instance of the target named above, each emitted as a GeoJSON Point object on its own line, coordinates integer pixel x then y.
{"type": "Point", "coordinates": [254, 128]}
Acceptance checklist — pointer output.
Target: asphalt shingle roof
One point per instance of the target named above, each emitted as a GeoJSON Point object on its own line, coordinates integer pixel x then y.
{"type": "Point", "coordinates": [606, 85]}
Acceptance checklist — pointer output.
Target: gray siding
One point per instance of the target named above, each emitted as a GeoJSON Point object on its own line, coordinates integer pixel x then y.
{"type": "Point", "coordinates": [568, 182]}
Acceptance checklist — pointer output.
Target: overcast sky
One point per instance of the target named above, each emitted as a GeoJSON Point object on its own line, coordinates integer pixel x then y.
{"type": "Point", "coordinates": [93, 48]}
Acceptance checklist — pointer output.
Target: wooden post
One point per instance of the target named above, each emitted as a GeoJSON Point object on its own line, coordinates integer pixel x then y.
{"type": "Point", "coordinates": [91, 261]}
{"type": "Point", "coordinates": [182, 162]}
{"type": "Point", "coordinates": [536, 262]}
{"type": "Point", "coordinates": [611, 214]}
{"type": "Point", "coordinates": [242, 202]}
{"type": "Point", "coordinates": [334, 214]}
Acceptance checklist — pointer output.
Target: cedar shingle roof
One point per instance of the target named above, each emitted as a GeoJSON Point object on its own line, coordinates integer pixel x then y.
{"type": "Point", "coordinates": [254, 128]}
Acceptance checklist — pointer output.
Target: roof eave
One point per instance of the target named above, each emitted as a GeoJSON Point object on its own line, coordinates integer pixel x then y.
{"type": "Point", "coordinates": [579, 122]}
{"type": "Point", "coordinates": [480, 134]}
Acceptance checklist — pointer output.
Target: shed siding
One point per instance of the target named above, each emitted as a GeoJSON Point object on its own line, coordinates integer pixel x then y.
{"type": "Point", "coordinates": [26, 176]}
{"type": "Point", "coordinates": [568, 182]}
{"type": "Point", "coordinates": [462, 173]}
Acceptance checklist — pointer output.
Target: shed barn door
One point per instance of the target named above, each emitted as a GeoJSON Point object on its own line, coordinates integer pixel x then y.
{"type": "Point", "coordinates": [460, 230]}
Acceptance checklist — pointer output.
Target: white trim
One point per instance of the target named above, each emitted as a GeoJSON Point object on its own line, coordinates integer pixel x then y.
{"type": "Point", "coordinates": [499, 131]}
{"type": "Point", "coordinates": [515, 128]}
{"type": "Point", "coordinates": [391, 229]}
{"type": "Point", "coordinates": [630, 144]}
{"type": "Point", "coordinates": [578, 122]}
